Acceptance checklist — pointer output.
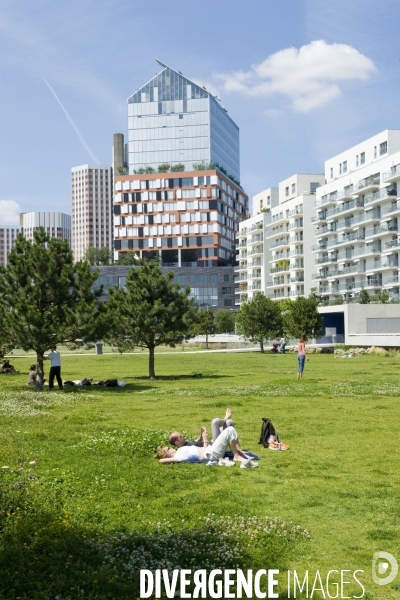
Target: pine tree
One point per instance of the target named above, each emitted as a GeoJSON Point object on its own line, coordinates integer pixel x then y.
{"type": "Point", "coordinates": [45, 298]}
{"type": "Point", "coordinates": [259, 320]}
{"type": "Point", "coordinates": [151, 310]}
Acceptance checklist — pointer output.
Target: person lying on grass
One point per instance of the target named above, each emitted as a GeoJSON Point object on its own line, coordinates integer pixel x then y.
{"type": "Point", "coordinates": [214, 454]}
{"type": "Point", "coordinates": [217, 425]}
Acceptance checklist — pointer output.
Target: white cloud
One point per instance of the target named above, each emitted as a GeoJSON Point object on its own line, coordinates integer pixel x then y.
{"type": "Point", "coordinates": [9, 213]}
{"type": "Point", "coordinates": [308, 76]}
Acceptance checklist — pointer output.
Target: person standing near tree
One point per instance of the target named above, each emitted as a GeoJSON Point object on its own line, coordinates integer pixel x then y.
{"type": "Point", "coordinates": [301, 355]}
{"type": "Point", "coordinates": [55, 369]}
{"type": "Point", "coordinates": [282, 345]}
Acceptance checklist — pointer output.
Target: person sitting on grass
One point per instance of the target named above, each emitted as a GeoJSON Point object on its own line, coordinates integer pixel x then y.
{"type": "Point", "coordinates": [214, 453]}
{"type": "Point", "coordinates": [217, 425]}
{"type": "Point", "coordinates": [7, 368]}
{"type": "Point", "coordinates": [32, 378]}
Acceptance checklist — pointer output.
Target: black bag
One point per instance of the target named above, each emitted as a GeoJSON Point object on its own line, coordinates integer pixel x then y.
{"type": "Point", "coordinates": [111, 383]}
{"type": "Point", "coordinates": [267, 430]}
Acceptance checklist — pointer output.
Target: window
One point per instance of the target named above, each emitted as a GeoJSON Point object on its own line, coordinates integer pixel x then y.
{"type": "Point", "coordinates": [375, 153]}
{"type": "Point", "coordinates": [261, 203]}
{"type": "Point", "coordinates": [356, 160]}
{"type": "Point", "coordinates": [227, 290]}
{"type": "Point", "coordinates": [340, 168]}
{"type": "Point", "coordinates": [287, 191]}
{"type": "Point", "coordinates": [268, 200]}
{"type": "Point", "coordinates": [331, 173]}
{"type": "Point", "coordinates": [293, 188]}
{"type": "Point", "coordinates": [226, 277]}
{"type": "Point", "coordinates": [362, 158]}
{"type": "Point", "coordinates": [227, 302]}
{"type": "Point", "coordinates": [382, 148]}
{"type": "Point", "coordinates": [345, 166]}
{"type": "Point", "coordinates": [313, 186]}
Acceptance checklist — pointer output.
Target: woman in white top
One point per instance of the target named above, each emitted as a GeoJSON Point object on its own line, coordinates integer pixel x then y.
{"type": "Point", "coordinates": [214, 454]}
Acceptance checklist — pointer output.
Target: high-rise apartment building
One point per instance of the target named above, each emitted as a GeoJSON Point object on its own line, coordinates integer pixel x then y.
{"type": "Point", "coordinates": [252, 270]}
{"type": "Point", "coordinates": [91, 208]}
{"type": "Point", "coordinates": [56, 224]}
{"type": "Point", "coordinates": [174, 121]}
{"type": "Point", "coordinates": [8, 235]}
{"type": "Point", "coordinates": [189, 218]}
{"type": "Point", "coordinates": [357, 220]}
{"type": "Point", "coordinates": [275, 247]}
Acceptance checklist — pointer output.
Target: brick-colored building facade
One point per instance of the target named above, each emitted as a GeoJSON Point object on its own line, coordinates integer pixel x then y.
{"type": "Point", "coordinates": [189, 217]}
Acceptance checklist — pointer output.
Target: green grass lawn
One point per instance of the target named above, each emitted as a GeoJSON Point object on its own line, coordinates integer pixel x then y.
{"type": "Point", "coordinates": [82, 493]}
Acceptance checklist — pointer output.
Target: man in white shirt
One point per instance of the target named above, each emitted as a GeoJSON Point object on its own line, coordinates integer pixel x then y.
{"type": "Point", "coordinates": [55, 369]}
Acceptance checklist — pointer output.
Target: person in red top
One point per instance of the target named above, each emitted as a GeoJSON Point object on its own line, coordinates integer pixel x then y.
{"type": "Point", "coordinates": [301, 356]}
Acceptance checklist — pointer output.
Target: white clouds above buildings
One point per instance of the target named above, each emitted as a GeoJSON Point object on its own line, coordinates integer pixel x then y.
{"type": "Point", "coordinates": [9, 213]}
{"type": "Point", "coordinates": [309, 77]}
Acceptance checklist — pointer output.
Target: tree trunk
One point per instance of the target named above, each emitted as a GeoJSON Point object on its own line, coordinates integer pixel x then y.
{"type": "Point", "coordinates": [262, 347]}
{"type": "Point", "coordinates": [39, 372]}
{"type": "Point", "coordinates": [206, 341]}
{"type": "Point", "coordinates": [152, 373]}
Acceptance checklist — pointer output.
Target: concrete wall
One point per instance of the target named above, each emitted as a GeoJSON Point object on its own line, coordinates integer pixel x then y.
{"type": "Point", "coordinates": [369, 324]}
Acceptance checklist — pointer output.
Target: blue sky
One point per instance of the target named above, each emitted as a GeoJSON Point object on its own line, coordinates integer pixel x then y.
{"type": "Point", "coordinates": [303, 79]}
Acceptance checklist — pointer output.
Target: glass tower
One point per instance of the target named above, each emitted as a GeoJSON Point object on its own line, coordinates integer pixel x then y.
{"type": "Point", "coordinates": [173, 120]}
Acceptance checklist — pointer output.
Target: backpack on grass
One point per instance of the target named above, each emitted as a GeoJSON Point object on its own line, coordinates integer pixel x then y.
{"type": "Point", "coordinates": [268, 433]}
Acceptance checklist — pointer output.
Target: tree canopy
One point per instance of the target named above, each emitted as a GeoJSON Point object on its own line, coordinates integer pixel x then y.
{"type": "Point", "coordinates": [98, 256]}
{"type": "Point", "coordinates": [204, 324]}
{"type": "Point", "coordinates": [225, 320]}
{"type": "Point", "coordinates": [45, 298]}
{"type": "Point", "coordinates": [302, 316]}
{"type": "Point", "coordinates": [151, 310]}
{"type": "Point", "coordinates": [259, 320]}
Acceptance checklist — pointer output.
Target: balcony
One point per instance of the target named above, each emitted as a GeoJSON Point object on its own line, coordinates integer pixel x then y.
{"type": "Point", "coordinates": [380, 195]}
{"type": "Point", "coordinates": [319, 247]}
{"type": "Point", "coordinates": [277, 218]}
{"type": "Point", "coordinates": [326, 200]}
{"type": "Point", "coordinates": [356, 204]}
{"type": "Point", "coordinates": [325, 260]}
{"type": "Point", "coordinates": [391, 210]}
{"type": "Point", "coordinates": [277, 283]}
{"type": "Point", "coordinates": [389, 246]}
{"type": "Point", "coordinates": [278, 231]}
{"type": "Point", "coordinates": [296, 267]}
{"type": "Point", "coordinates": [296, 211]}
{"type": "Point", "coordinates": [297, 279]}
{"type": "Point", "coordinates": [392, 175]}
{"type": "Point", "coordinates": [380, 230]}
{"type": "Point", "coordinates": [346, 271]}
{"type": "Point", "coordinates": [392, 280]}
{"type": "Point", "coordinates": [372, 215]}
{"type": "Point", "coordinates": [279, 243]}
{"type": "Point", "coordinates": [254, 286]}
{"type": "Point", "coordinates": [295, 239]}
{"type": "Point", "coordinates": [357, 236]}
{"type": "Point", "coordinates": [255, 274]}
{"type": "Point", "coordinates": [297, 252]}
{"type": "Point", "coordinates": [368, 184]}
{"type": "Point", "coordinates": [255, 263]}
{"type": "Point", "coordinates": [296, 293]}
{"type": "Point", "coordinates": [256, 250]}
{"type": "Point", "coordinates": [385, 263]}
{"type": "Point", "coordinates": [278, 294]}
{"type": "Point", "coordinates": [255, 240]}
{"type": "Point", "coordinates": [319, 217]}
{"type": "Point", "coordinates": [281, 269]}
{"type": "Point", "coordinates": [347, 193]}
{"type": "Point", "coordinates": [294, 226]}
